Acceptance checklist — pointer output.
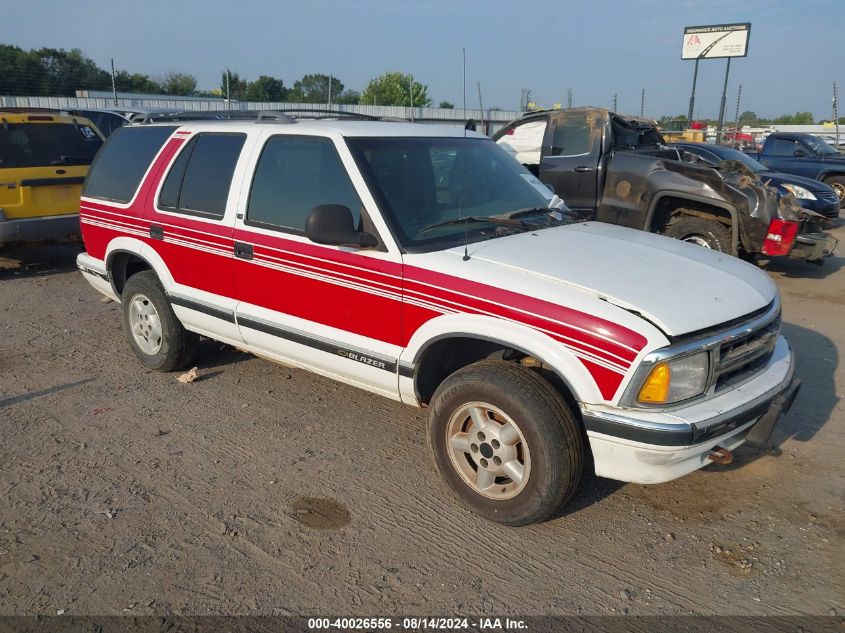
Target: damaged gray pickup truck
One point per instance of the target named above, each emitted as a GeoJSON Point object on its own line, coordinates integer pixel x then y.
{"type": "Point", "coordinates": [617, 169]}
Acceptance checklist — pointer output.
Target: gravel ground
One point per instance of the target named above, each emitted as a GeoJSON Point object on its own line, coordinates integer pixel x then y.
{"type": "Point", "coordinates": [259, 489]}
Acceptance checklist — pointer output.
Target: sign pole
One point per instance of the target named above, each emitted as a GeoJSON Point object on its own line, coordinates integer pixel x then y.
{"type": "Point", "coordinates": [692, 96]}
{"type": "Point", "coordinates": [722, 107]}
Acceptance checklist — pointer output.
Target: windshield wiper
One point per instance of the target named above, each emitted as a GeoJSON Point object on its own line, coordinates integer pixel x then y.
{"type": "Point", "coordinates": [530, 211]}
{"type": "Point", "coordinates": [490, 219]}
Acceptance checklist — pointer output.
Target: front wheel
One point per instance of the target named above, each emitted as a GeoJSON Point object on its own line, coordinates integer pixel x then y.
{"type": "Point", "coordinates": [505, 442]}
{"type": "Point", "coordinates": [838, 185]}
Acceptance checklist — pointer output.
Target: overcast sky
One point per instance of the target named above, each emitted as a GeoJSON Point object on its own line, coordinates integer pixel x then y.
{"type": "Point", "coordinates": [596, 48]}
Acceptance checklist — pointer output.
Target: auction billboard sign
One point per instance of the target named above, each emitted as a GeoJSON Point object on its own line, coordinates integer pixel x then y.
{"type": "Point", "coordinates": [716, 40]}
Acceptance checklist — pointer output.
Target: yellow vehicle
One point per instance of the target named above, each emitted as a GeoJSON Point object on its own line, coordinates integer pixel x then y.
{"type": "Point", "coordinates": [44, 158]}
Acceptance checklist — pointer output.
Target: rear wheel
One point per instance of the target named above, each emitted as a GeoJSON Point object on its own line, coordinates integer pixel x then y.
{"type": "Point", "coordinates": [707, 233]}
{"type": "Point", "coordinates": [505, 442]}
{"type": "Point", "coordinates": [838, 185]}
{"type": "Point", "coordinates": [155, 334]}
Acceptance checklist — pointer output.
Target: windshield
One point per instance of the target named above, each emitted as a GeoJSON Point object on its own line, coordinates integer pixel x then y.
{"type": "Point", "coordinates": [424, 183]}
{"type": "Point", "coordinates": [818, 145]}
{"type": "Point", "coordinates": [46, 144]}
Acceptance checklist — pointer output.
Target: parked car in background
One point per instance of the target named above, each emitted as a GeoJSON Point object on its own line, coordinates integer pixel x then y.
{"type": "Point", "coordinates": [616, 168]}
{"type": "Point", "coordinates": [422, 263]}
{"type": "Point", "coordinates": [804, 155]}
{"type": "Point", "coordinates": [44, 158]}
{"type": "Point", "coordinates": [810, 194]}
{"type": "Point", "coordinates": [107, 121]}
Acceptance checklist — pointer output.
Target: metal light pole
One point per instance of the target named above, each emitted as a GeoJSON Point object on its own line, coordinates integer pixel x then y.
{"type": "Point", "coordinates": [692, 95]}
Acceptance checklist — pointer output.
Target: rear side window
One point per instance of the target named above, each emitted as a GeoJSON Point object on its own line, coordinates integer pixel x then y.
{"type": "Point", "coordinates": [571, 137]}
{"type": "Point", "coordinates": [118, 169]}
{"type": "Point", "coordinates": [47, 144]}
{"type": "Point", "coordinates": [199, 180]}
{"type": "Point", "coordinates": [294, 175]}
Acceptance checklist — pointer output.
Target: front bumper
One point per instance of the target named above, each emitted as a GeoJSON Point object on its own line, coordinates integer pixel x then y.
{"type": "Point", "coordinates": [53, 227]}
{"type": "Point", "coordinates": [813, 246]}
{"type": "Point", "coordinates": [653, 447]}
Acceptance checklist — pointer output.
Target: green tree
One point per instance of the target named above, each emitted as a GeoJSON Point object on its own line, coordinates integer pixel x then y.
{"type": "Point", "coordinates": [395, 88]}
{"type": "Point", "coordinates": [447, 105]}
{"type": "Point", "coordinates": [237, 86]}
{"type": "Point", "coordinates": [314, 88]}
{"type": "Point", "coordinates": [799, 118]}
{"type": "Point", "coordinates": [749, 118]}
{"type": "Point", "coordinates": [349, 97]}
{"type": "Point", "coordinates": [21, 72]}
{"type": "Point", "coordinates": [69, 71]}
{"type": "Point", "coordinates": [179, 84]}
{"type": "Point", "coordinates": [266, 88]}
{"type": "Point", "coordinates": [124, 82]}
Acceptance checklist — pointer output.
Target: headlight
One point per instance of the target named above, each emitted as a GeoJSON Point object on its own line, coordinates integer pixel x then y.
{"type": "Point", "coordinates": [799, 192]}
{"type": "Point", "coordinates": [676, 379]}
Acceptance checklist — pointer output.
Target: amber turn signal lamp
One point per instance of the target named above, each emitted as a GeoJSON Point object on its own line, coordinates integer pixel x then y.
{"type": "Point", "coordinates": [656, 387]}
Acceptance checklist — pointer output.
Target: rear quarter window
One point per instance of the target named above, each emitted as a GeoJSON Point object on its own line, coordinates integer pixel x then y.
{"type": "Point", "coordinates": [124, 159]}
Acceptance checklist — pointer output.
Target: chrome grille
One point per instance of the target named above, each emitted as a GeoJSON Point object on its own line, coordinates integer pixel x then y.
{"type": "Point", "coordinates": [741, 358]}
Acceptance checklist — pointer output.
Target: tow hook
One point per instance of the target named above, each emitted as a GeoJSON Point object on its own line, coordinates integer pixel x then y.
{"type": "Point", "coordinates": [721, 455]}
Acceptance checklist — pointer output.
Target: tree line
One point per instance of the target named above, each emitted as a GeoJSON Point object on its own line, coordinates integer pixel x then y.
{"type": "Point", "coordinates": [751, 119]}
{"type": "Point", "coordinates": [55, 72]}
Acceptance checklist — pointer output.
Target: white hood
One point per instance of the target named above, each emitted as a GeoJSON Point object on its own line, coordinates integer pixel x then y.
{"type": "Point", "coordinates": [679, 287]}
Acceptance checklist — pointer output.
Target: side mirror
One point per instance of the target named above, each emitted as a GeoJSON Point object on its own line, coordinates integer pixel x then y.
{"type": "Point", "coordinates": [333, 224]}
{"type": "Point", "coordinates": [799, 153]}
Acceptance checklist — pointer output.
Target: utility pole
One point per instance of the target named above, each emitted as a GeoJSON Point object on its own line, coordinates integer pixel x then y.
{"type": "Point", "coordinates": [736, 118]}
{"type": "Point", "coordinates": [642, 102]}
{"type": "Point", "coordinates": [228, 102]}
{"type": "Point", "coordinates": [614, 102]}
{"type": "Point", "coordinates": [480, 103]}
{"type": "Point", "coordinates": [114, 86]}
{"type": "Point", "coordinates": [330, 92]}
{"type": "Point", "coordinates": [569, 99]}
{"type": "Point", "coordinates": [411, 89]}
{"type": "Point", "coordinates": [836, 116]}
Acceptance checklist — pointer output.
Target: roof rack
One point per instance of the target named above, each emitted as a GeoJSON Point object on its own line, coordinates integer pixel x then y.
{"type": "Point", "coordinates": [286, 115]}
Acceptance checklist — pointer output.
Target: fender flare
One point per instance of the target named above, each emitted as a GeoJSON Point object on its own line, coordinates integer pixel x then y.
{"type": "Point", "coordinates": [826, 173]}
{"type": "Point", "coordinates": [136, 247]}
{"type": "Point", "coordinates": [721, 204]}
{"type": "Point", "coordinates": [512, 335]}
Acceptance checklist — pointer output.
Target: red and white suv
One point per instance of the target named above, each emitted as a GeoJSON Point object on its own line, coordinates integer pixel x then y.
{"type": "Point", "coordinates": [424, 264]}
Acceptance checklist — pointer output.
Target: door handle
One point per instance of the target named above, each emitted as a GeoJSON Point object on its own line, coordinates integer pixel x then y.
{"type": "Point", "coordinates": [582, 168]}
{"type": "Point", "coordinates": [242, 250]}
{"type": "Point", "coordinates": [156, 232]}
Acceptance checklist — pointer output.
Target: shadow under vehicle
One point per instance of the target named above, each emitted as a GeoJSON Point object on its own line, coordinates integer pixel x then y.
{"type": "Point", "coordinates": [617, 169]}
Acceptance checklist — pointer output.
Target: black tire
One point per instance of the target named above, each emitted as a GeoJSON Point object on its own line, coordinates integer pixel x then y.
{"type": "Point", "coordinates": [707, 233]}
{"type": "Point", "coordinates": [178, 346]}
{"type": "Point", "coordinates": [838, 184]}
{"type": "Point", "coordinates": [550, 431]}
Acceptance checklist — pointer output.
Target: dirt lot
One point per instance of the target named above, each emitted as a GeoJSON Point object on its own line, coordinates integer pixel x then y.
{"type": "Point", "coordinates": [124, 491]}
